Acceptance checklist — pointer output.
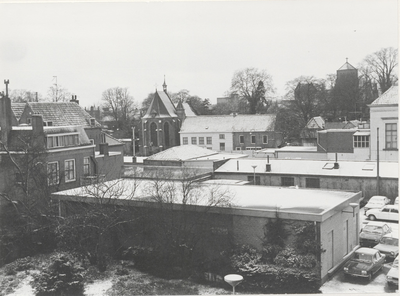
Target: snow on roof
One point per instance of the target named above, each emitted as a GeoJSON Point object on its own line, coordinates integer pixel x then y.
{"type": "Point", "coordinates": [229, 123]}
{"type": "Point", "coordinates": [248, 197]}
{"type": "Point", "coordinates": [184, 152]}
{"type": "Point", "coordinates": [389, 97]}
{"type": "Point", "coordinates": [311, 167]}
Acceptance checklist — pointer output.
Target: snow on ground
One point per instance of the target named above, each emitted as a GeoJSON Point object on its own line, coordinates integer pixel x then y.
{"type": "Point", "coordinates": [98, 288]}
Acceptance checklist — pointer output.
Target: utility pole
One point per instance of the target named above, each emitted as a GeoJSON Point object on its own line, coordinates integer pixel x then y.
{"type": "Point", "coordinates": [377, 162]}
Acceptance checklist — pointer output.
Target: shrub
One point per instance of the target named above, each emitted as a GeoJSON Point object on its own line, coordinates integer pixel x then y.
{"type": "Point", "coordinates": [63, 277]}
{"type": "Point", "coordinates": [289, 258]}
{"type": "Point", "coordinates": [19, 265]}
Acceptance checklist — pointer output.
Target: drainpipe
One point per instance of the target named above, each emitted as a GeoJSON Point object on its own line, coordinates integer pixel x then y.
{"type": "Point", "coordinates": [377, 163]}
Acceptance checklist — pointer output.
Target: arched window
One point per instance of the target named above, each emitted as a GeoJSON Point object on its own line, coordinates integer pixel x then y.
{"type": "Point", "coordinates": [153, 134]}
{"type": "Point", "coordinates": [166, 134]}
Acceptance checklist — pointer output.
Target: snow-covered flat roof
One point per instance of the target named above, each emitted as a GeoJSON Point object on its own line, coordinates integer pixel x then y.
{"type": "Point", "coordinates": [311, 167]}
{"type": "Point", "coordinates": [314, 202]}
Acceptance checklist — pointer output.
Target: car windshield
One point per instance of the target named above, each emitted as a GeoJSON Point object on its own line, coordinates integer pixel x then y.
{"type": "Point", "coordinates": [372, 229]}
{"type": "Point", "coordinates": [391, 241]}
{"type": "Point", "coordinates": [363, 257]}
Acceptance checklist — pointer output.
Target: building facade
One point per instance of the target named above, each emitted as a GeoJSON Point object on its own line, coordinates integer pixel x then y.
{"type": "Point", "coordinates": [231, 132]}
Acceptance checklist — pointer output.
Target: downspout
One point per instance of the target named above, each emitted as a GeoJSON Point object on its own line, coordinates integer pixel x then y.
{"type": "Point", "coordinates": [377, 163]}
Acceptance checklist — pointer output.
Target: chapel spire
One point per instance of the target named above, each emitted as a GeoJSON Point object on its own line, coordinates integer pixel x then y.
{"type": "Point", "coordinates": [164, 86]}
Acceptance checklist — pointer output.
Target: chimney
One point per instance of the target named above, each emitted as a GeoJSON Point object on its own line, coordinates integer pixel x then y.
{"type": "Point", "coordinates": [5, 117]}
{"type": "Point", "coordinates": [268, 165]}
{"type": "Point", "coordinates": [104, 149]}
{"type": "Point", "coordinates": [336, 164]}
{"type": "Point", "coordinates": [37, 124]}
{"type": "Point", "coordinates": [74, 99]}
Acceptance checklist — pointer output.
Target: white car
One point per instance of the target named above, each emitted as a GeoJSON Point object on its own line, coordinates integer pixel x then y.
{"type": "Point", "coordinates": [388, 212]}
{"type": "Point", "coordinates": [376, 202]}
{"type": "Point", "coordinates": [392, 276]}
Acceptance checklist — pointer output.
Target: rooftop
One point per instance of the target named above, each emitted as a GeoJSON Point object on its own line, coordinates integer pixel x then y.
{"type": "Point", "coordinates": [61, 114]}
{"type": "Point", "coordinates": [229, 123]}
{"type": "Point", "coordinates": [391, 96]}
{"type": "Point", "coordinates": [311, 167]}
{"type": "Point", "coordinates": [184, 152]}
{"type": "Point", "coordinates": [307, 202]}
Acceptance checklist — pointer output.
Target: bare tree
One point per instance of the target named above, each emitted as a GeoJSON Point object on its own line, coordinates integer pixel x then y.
{"type": "Point", "coordinates": [381, 67]}
{"type": "Point", "coordinates": [255, 86]}
{"type": "Point", "coordinates": [121, 104]}
{"type": "Point", "coordinates": [23, 96]}
{"type": "Point", "coordinates": [97, 226]}
{"type": "Point", "coordinates": [57, 93]}
{"type": "Point", "coordinates": [181, 222]}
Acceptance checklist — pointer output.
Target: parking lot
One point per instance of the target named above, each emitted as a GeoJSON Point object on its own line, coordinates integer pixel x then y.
{"type": "Point", "coordinates": [341, 284]}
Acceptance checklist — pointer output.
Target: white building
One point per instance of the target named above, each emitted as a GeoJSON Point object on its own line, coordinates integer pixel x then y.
{"type": "Point", "coordinates": [384, 115]}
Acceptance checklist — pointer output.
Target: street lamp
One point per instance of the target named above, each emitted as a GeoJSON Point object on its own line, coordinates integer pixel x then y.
{"type": "Point", "coordinates": [254, 174]}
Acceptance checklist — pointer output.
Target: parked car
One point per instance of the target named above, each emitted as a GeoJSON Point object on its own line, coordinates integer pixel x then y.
{"type": "Point", "coordinates": [392, 276]}
{"type": "Point", "coordinates": [364, 263]}
{"type": "Point", "coordinates": [389, 245]}
{"type": "Point", "coordinates": [376, 202]}
{"type": "Point", "coordinates": [388, 212]}
{"type": "Point", "coordinates": [372, 233]}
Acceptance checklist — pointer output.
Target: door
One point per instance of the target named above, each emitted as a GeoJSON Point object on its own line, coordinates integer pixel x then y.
{"type": "Point", "coordinates": [330, 248]}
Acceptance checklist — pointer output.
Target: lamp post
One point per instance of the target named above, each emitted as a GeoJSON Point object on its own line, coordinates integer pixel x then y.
{"type": "Point", "coordinates": [233, 280]}
{"type": "Point", "coordinates": [254, 174]}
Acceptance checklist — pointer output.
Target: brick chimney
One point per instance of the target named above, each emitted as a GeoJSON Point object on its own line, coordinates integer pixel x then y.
{"type": "Point", "coordinates": [37, 130]}
{"type": "Point", "coordinates": [74, 99]}
{"type": "Point", "coordinates": [104, 149]}
{"type": "Point", "coordinates": [5, 117]}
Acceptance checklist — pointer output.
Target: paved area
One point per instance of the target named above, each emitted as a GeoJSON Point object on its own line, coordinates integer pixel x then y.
{"type": "Point", "coordinates": [341, 284]}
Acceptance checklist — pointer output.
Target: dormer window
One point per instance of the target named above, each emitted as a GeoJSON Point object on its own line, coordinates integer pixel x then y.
{"type": "Point", "coordinates": [62, 140]}
{"type": "Point", "coordinates": [92, 122]}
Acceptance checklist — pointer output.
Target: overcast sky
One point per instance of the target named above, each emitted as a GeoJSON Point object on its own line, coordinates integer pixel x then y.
{"type": "Point", "coordinates": [198, 46]}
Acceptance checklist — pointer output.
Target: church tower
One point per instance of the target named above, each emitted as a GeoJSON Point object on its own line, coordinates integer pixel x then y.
{"type": "Point", "coordinates": [346, 93]}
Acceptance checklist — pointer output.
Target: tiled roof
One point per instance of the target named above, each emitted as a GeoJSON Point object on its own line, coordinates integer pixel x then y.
{"type": "Point", "coordinates": [61, 114]}
{"type": "Point", "coordinates": [184, 152]}
{"type": "Point", "coordinates": [229, 123]}
{"type": "Point", "coordinates": [391, 96]}
{"type": "Point", "coordinates": [161, 106]}
{"type": "Point", "coordinates": [347, 66]}
{"type": "Point", "coordinates": [18, 109]}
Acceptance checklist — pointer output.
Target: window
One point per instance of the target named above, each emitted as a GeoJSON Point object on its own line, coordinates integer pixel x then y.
{"type": "Point", "coordinates": [386, 210]}
{"type": "Point", "coordinates": [52, 173]}
{"type": "Point", "coordinates": [361, 141]}
{"type": "Point", "coordinates": [69, 170]}
{"type": "Point", "coordinates": [312, 183]}
{"type": "Point", "coordinates": [194, 141]}
{"type": "Point", "coordinates": [395, 210]}
{"type": "Point", "coordinates": [391, 135]}
{"type": "Point", "coordinates": [221, 136]}
{"type": "Point", "coordinates": [201, 140]}
{"type": "Point", "coordinates": [222, 146]}
{"type": "Point", "coordinates": [253, 139]}
{"type": "Point", "coordinates": [54, 141]}
{"type": "Point", "coordinates": [241, 139]}
{"type": "Point", "coordinates": [209, 140]}
{"type": "Point", "coordinates": [251, 180]}
{"type": "Point", "coordinates": [265, 139]}
{"type": "Point", "coordinates": [86, 166]}
{"type": "Point", "coordinates": [287, 181]}
{"type": "Point", "coordinates": [238, 148]}
{"type": "Point", "coordinates": [185, 140]}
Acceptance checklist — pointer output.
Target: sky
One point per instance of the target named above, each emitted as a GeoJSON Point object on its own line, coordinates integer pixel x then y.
{"type": "Point", "coordinates": [198, 45]}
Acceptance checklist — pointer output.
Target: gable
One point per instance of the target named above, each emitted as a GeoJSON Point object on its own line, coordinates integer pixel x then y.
{"type": "Point", "coordinates": [161, 106]}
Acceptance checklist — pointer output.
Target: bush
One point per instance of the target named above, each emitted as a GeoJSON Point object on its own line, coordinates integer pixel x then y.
{"type": "Point", "coordinates": [63, 277]}
{"type": "Point", "coordinates": [289, 258]}
{"type": "Point", "coordinates": [19, 265]}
